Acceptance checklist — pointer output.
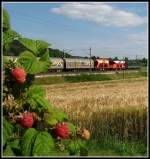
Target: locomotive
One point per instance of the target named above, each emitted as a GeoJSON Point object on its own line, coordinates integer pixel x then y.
{"type": "Point", "coordinates": [85, 64]}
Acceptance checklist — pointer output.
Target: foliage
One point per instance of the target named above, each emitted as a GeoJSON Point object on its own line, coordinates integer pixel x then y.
{"type": "Point", "coordinates": [8, 37]}
{"type": "Point", "coordinates": [32, 65]}
{"type": "Point", "coordinates": [44, 144]}
{"type": "Point", "coordinates": [7, 131]}
{"type": "Point", "coordinates": [6, 21]}
{"type": "Point", "coordinates": [38, 138]}
{"type": "Point", "coordinates": [58, 53]}
{"type": "Point", "coordinates": [28, 141]}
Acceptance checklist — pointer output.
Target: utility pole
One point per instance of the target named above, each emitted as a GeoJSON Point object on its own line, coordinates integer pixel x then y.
{"type": "Point", "coordinates": [68, 50]}
{"type": "Point", "coordinates": [123, 68]}
{"type": "Point", "coordinates": [90, 57]}
{"type": "Point", "coordinates": [136, 60]}
{"type": "Point", "coordinates": [63, 53]}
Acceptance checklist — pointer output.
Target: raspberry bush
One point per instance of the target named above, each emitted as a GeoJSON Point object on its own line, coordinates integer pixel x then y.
{"type": "Point", "coordinates": [31, 125]}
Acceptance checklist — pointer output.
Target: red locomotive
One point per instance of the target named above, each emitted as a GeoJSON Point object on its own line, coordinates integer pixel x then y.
{"type": "Point", "coordinates": [108, 64]}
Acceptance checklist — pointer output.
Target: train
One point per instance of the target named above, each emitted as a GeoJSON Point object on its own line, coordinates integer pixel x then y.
{"type": "Point", "coordinates": [86, 64]}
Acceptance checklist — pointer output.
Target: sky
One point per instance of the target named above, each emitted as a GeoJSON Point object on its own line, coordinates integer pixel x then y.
{"type": "Point", "coordinates": [110, 29]}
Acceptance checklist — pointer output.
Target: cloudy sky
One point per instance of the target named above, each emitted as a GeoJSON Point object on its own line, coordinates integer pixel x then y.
{"type": "Point", "coordinates": [110, 29]}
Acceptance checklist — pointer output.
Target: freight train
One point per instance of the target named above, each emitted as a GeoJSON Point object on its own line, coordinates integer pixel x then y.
{"type": "Point", "coordinates": [85, 64]}
{"type": "Point", "coordinates": [82, 64]}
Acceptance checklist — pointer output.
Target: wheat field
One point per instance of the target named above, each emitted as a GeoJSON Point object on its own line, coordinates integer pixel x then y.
{"type": "Point", "coordinates": [110, 108]}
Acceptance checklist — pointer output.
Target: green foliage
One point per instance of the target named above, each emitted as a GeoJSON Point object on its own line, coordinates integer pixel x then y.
{"type": "Point", "coordinates": [7, 131]}
{"type": "Point", "coordinates": [16, 48]}
{"type": "Point", "coordinates": [8, 151]}
{"type": "Point", "coordinates": [44, 145]}
{"type": "Point", "coordinates": [8, 37]}
{"type": "Point", "coordinates": [35, 97]}
{"type": "Point", "coordinates": [32, 65]}
{"type": "Point", "coordinates": [72, 129]}
{"type": "Point", "coordinates": [78, 146]}
{"type": "Point", "coordinates": [54, 116]}
{"type": "Point", "coordinates": [6, 21]}
{"type": "Point", "coordinates": [29, 44]}
{"type": "Point", "coordinates": [18, 97]}
{"type": "Point", "coordinates": [28, 141]}
{"type": "Point", "coordinates": [15, 144]}
{"type": "Point", "coordinates": [57, 53]}
{"type": "Point", "coordinates": [41, 47]}
{"type": "Point", "coordinates": [37, 47]}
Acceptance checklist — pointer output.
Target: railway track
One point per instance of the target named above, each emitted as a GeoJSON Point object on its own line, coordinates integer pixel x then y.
{"type": "Point", "coordinates": [52, 74]}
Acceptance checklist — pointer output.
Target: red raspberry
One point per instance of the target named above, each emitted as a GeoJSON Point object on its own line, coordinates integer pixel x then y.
{"type": "Point", "coordinates": [19, 74]}
{"type": "Point", "coordinates": [27, 120]}
{"type": "Point", "coordinates": [62, 130]}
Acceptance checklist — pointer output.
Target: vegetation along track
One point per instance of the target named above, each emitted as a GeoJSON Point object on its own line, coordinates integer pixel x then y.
{"type": "Point", "coordinates": [50, 74]}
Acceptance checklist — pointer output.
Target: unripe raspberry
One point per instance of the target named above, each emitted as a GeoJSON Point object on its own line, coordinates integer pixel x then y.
{"type": "Point", "coordinates": [62, 130]}
{"type": "Point", "coordinates": [19, 74]}
{"type": "Point", "coordinates": [27, 120]}
{"type": "Point", "coordinates": [86, 134]}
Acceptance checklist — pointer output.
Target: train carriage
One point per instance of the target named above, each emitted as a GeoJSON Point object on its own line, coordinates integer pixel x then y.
{"type": "Point", "coordinates": [78, 64]}
{"type": "Point", "coordinates": [57, 64]}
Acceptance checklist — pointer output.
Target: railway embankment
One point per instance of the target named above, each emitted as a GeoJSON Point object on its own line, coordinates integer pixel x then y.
{"type": "Point", "coordinates": [88, 77]}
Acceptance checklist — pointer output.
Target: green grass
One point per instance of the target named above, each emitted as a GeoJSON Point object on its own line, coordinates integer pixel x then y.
{"type": "Point", "coordinates": [91, 77]}
{"type": "Point", "coordinates": [113, 147]}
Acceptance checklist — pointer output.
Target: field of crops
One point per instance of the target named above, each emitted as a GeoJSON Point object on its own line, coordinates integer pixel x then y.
{"type": "Point", "coordinates": [106, 108]}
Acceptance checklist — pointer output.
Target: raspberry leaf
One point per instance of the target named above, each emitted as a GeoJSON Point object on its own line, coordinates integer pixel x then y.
{"type": "Point", "coordinates": [28, 141]}
{"type": "Point", "coordinates": [8, 151]}
{"type": "Point", "coordinates": [7, 131]}
{"type": "Point", "coordinates": [44, 145]}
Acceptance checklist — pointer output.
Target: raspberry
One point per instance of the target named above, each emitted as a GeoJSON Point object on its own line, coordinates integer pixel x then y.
{"type": "Point", "coordinates": [86, 134]}
{"type": "Point", "coordinates": [19, 74]}
{"type": "Point", "coordinates": [62, 130]}
{"type": "Point", "coordinates": [27, 120]}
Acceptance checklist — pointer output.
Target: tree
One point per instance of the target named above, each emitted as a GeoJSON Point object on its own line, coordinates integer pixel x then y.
{"type": "Point", "coordinates": [126, 59]}
{"type": "Point", "coordinates": [144, 62]}
{"type": "Point", "coordinates": [116, 58]}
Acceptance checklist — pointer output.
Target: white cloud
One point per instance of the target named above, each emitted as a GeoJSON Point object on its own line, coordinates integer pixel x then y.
{"type": "Point", "coordinates": [100, 13]}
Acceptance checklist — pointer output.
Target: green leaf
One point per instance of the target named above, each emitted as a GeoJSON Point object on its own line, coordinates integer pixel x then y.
{"type": "Point", "coordinates": [57, 114]}
{"type": "Point", "coordinates": [83, 151]}
{"type": "Point", "coordinates": [14, 144]}
{"type": "Point", "coordinates": [6, 21]}
{"type": "Point", "coordinates": [52, 121]}
{"type": "Point", "coordinates": [35, 97]}
{"type": "Point", "coordinates": [72, 129]}
{"type": "Point", "coordinates": [28, 141]}
{"type": "Point", "coordinates": [8, 38]}
{"type": "Point", "coordinates": [42, 103]}
{"type": "Point", "coordinates": [31, 64]}
{"type": "Point", "coordinates": [65, 142]}
{"type": "Point", "coordinates": [41, 46]}
{"type": "Point", "coordinates": [29, 44]}
{"type": "Point", "coordinates": [73, 148]}
{"type": "Point", "coordinates": [34, 89]}
{"type": "Point", "coordinates": [54, 116]}
{"type": "Point", "coordinates": [83, 147]}
{"type": "Point", "coordinates": [7, 131]}
{"type": "Point", "coordinates": [44, 145]}
{"type": "Point", "coordinates": [8, 151]}
{"type": "Point", "coordinates": [26, 59]}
